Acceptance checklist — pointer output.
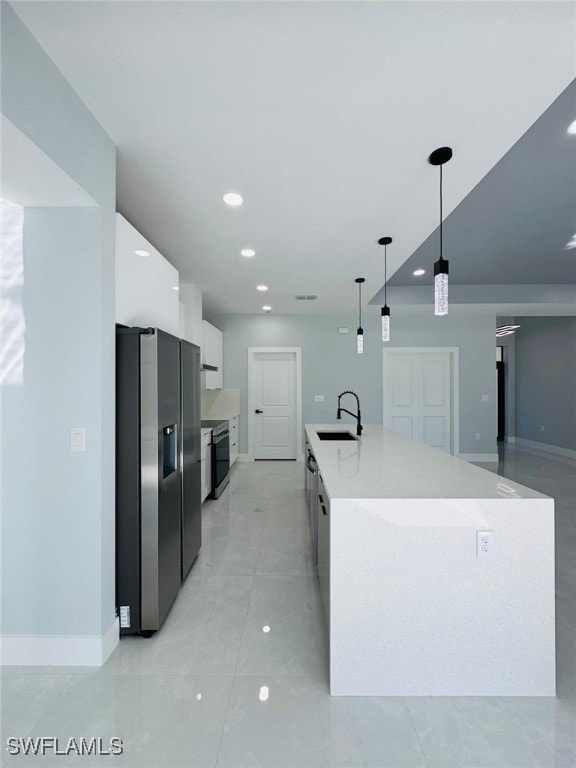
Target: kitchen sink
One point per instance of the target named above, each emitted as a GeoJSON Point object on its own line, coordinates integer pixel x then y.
{"type": "Point", "coordinates": [336, 436]}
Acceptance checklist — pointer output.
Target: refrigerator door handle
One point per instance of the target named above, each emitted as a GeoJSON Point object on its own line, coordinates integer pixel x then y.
{"type": "Point", "coordinates": [169, 450]}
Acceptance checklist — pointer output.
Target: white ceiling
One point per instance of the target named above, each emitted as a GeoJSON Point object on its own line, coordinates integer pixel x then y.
{"type": "Point", "coordinates": [321, 114]}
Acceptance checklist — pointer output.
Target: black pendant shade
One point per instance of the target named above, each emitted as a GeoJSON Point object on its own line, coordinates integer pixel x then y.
{"type": "Point", "coordinates": [385, 311]}
{"type": "Point", "coordinates": [439, 157]}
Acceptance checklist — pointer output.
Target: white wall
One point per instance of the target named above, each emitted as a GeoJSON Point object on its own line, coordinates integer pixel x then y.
{"type": "Point", "coordinates": [145, 285]}
{"type": "Point", "coordinates": [330, 363]}
{"type": "Point", "coordinates": [58, 521]}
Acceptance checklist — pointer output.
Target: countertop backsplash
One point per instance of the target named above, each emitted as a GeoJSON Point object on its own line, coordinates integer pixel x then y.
{"type": "Point", "coordinates": [220, 403]}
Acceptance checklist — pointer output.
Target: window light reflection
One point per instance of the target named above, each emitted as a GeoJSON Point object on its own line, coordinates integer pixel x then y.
{"type": "Point", "coordinates": [11, 282]}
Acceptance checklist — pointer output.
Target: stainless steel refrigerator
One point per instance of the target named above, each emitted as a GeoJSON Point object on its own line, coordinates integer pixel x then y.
{"type": "Point", "coordinates": [191, 454]}
{"type": "Point", "coordinates": [157, 473]}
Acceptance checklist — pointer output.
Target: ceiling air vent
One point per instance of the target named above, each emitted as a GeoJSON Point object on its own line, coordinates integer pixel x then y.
{"type": "Point", "coordinates": [305, 297]}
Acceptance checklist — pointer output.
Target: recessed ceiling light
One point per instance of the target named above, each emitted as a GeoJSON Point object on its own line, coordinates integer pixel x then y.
{"type": "Point", "coordinates": [418, 272]}
{"type": "Point", "coordinates": [142, 253]}
{"type": "Point", "coordinates": [261, 287]}
{"type": "Point", "coordinates": [233, 199]}
{"type": "Point", "coordinates": [266, 308]}
{"type": "Point", "coordinates": [248, 252]}
{"type": "Point", "coordinates": [572, 127]}
{"type": "Point", "coordinates": [175, 287]}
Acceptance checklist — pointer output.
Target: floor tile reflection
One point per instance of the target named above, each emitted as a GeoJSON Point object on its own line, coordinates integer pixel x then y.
{"type": "Point", "coordinates": [238, 674]}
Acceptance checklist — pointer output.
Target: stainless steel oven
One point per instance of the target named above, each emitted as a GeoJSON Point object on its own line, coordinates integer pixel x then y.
{"type": "Point", "coordinates": [220, 458]}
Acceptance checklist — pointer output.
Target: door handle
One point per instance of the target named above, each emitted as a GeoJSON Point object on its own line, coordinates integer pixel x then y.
{"type": "Point", "coordinates": [257, 411]}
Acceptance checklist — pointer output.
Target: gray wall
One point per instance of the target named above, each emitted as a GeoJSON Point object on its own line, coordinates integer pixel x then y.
{"type": "Point", "coordinates": [330, 363]}
{"type": "Point", "coordinates": [57, 506]}
{"type": "Point", "coordinates": [546, 380]}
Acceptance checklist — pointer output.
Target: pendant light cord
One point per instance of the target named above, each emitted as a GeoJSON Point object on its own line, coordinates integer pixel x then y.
{"type": "Point", "coordinates": [360, 304]}
{"type": "Point", "coordinates": [385, 278]}
{"type": "Point", "coordinates": [441, 244]}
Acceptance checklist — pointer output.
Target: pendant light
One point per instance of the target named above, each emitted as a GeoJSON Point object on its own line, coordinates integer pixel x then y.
{"type": "Point", "coordinates": [439, 157]}
{"type": "Point", "coordinates": [385, 311]}
{"type": "Point", "coordinates": [360, 331]}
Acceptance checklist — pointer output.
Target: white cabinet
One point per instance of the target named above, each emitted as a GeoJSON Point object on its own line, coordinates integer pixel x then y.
{"type": "Point", "coordinates": [191, 313]}
{"type": "Point", "coordinates": [324, 548]}
{"type": "Point", "coordinates": [145, 292]}
{"type": "Point", "coordinates": [234, 427]}
{"type": "Point", "coordinates": [206, 460]}
{"type": "Point", "coordinates": [213, 354]}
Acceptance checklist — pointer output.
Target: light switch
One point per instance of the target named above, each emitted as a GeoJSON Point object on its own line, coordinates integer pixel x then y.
{"type": "Point", "coordinates": [77, 439]}
{"type": "Point", "coordinates": [484, 398]}
{"type": "Point", "coordinates": [343, 330]}
{"type": "Point", "coordinates": [318, 398]}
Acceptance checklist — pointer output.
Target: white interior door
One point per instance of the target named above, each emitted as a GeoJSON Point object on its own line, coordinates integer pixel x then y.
{"type": "Point", "coordinates": [273, 389]}
{"type": "Point", "coordinates": [418, 396]}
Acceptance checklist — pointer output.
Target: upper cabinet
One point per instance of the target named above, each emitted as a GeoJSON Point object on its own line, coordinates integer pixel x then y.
{"type": "Point", "coordinates": [191, 313]}
{"type": "Point", "coordinates": [145, 282]}
{"type": "Point", "coordinates": [213, 354]}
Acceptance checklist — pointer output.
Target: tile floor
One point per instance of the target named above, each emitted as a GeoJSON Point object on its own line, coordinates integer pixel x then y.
{"type": "Point", "coordinates": [215, 687]}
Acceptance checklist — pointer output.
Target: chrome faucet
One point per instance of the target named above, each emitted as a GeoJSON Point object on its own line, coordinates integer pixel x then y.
{"type": "Point", "coordinates": [357, 416]}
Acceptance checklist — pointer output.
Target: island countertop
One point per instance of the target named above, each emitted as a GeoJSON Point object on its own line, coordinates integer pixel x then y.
{"type": "Point", "coordinates": [414, 605]}
{"type": "Point", "coordinates": [384, 464]}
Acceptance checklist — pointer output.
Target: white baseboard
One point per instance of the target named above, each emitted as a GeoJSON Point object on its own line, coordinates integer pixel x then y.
{"type": "Point", "coordinates": [59, 650]}
{"type": "Point", "coordinates": [523, 442]}
{"type": "Point", "coordinates": [110, 640]}
{"type": "Point", "coordinates": [482, 457]}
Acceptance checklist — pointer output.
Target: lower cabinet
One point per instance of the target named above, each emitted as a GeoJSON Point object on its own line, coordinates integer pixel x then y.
{"type": "Point", "coordinates": [233, 426]}
{"type": "Point", "coordinates": [206, 459]}
{"type": "Point", "coordinates": [323, 522]}
{"type": "Point", "coordinates": [311, 486]}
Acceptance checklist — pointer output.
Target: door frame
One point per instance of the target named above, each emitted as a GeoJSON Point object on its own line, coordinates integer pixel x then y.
{"type": "Point", "coordinates": [454, 356]}
{"type": "Point", "coordinates": [297, 351]}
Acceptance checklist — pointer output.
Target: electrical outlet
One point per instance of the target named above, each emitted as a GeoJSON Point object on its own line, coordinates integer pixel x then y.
{"type": "Point", "coordinates": [484, 398]}
{"type": "Point", "coordinates": [477, 435]}
{"type": "Point", "coordinates": [318, 398]}
{"type": "Point", "coordinates": [343, 330]}
{"type": "Point", "coordinates": [542, 428]}
{"type": "Point", "coordinates": [484, 543]}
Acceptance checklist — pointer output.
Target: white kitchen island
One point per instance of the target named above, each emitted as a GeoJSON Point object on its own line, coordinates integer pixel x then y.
{"type": "Point", "coordinates": [411, 607]}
